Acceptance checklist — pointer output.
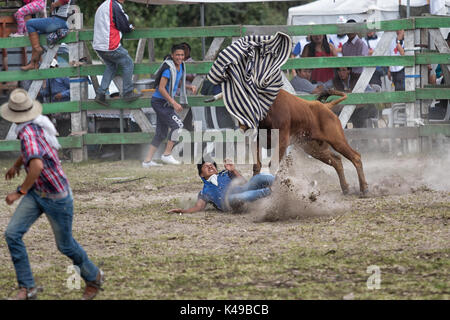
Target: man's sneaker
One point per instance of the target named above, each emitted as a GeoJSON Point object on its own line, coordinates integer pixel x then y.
{"type": "Point", "coordinates": [101, 99]}
{"type": "Point", "coordinates": [169, 159]}
{"type": "Point", "coordinates": [93, 287]}
{"type": "Point", "coordinates": [131, 96]}
{"type": "Point", "coordinates": [17, 35]}
{"type": "Point", "coordinates": [25, 294]}
{"type": "Point", "coordinates": [151, 164]}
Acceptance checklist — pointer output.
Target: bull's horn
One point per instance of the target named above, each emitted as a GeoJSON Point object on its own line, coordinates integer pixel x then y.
{"type": "Point", "coordinates": [215, 98]}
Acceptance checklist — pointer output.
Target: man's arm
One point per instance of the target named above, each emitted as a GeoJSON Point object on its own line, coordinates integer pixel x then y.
{"type": "Point", "coordinates": [199, 206]}
{"type": "Point", "coordinates": [35, 168]}
{"type": "Point", "coordinates": [121, 19]}
{"type": "Point", "coordinates": [232, 169]}
{"type": "Point", "coordinates": [166, 95]}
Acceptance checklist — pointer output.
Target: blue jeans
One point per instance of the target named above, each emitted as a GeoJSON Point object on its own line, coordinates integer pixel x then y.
{"type": "Point", "coordinates": [114, 59]}
{"type": "Point", "coordinates": [59, 213]}
{"type": "Point", "coordinates": [256, 188]}
{"type": "Point", "coordinates": [45, 25]}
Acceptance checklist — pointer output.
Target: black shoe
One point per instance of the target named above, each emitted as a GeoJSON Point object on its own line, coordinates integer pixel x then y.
{"type": "Point", "coordinates": [131, 96]}
{"type": "Point", "coordinates": [101, 99]}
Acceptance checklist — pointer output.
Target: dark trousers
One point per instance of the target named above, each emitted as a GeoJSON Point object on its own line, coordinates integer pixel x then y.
{"type": "Point", "coordinates": [398, 78]}
{"type": "Point", "coordinates": [165, 118]}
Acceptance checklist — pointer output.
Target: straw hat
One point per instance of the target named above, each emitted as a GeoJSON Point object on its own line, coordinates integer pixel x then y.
{"type": "Point", "coordinates": [20, 107]}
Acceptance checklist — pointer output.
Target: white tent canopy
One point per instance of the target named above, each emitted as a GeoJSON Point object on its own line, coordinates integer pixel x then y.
{"type": "Point", "coordinates": [328, 11]}
{"type": "Point", "coordinates": [156, 2]}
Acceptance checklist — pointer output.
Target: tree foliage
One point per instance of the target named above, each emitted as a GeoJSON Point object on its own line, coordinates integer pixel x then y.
{"type": "Point", "coordinates": [148, 16]}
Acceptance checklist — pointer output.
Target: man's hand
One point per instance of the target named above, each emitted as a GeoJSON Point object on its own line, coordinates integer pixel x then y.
{"type": "Point", "coordinates": [177, 107]}
{"type": "Point", "coordinates": [13, 196]}
{"type": "Point", "coordinates": [58, 96]}
{"type": "Point", "coordinates": [54, 5]}
{"type": "Point", "coordinates": [177, 210]}
{"type": "Point", "coordinates": [12, 172]}
{"type": "Point", "coordinates": [229, 165]}
{"type": "Point", "coordinates": [193, 89]}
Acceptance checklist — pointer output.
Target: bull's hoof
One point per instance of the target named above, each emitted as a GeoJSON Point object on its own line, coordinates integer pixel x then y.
{"type": "Point", "coordinates": [364, 193]}
{"type": "Point", "coordinates": [345, 192]}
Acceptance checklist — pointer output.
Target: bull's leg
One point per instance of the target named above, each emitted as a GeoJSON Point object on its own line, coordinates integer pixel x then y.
{"type": "Point", "coordinates": [344, 148]}
{"type": "Point", "coordinates": [257, 165]}
{"type": "Point", "coordinates": [283, 143]}
{"type": "Point", "coordinates": [322, 152]}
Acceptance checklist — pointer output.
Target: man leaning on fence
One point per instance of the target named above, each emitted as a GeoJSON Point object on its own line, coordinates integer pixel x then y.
{"type": "Point", "coordinates": [110, 22]}
{"type": "Point", "coordinates": [44, 190]}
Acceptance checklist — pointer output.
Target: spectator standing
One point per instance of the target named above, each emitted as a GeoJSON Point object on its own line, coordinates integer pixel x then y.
{"type": "Point", "coordinates": [397, 73]}
{"type": "Point", "coordinates": [59, 14]}
{"type": "Point", "coordinates": [354, 47]}
{"type": "Point", "coordinates": [109, 24]}
{"type": "Point", "coordinates": [30, 7]}
{"type": "Point", "coordinates": [44, 190]}
{"type": "Point", "coordinates": [320, 47]}
{"type": "Point", "coordinates": [169, 76]}
{"type": "Point", "coordinates": [371, 40]}
{"type": "Point", "coordinates": [338, 40]}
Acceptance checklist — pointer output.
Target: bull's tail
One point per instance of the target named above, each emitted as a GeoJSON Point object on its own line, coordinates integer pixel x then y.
{"type": "Point", "coordinates": [323, 96]}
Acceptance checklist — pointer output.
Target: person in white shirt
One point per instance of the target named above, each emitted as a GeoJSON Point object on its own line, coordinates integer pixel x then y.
{"type": "Point", "coordinates": [371, 40]}
{"type": "Point", "coordinates": [338, 40]}
{"type": "Point", "coordinates": [397, 73]}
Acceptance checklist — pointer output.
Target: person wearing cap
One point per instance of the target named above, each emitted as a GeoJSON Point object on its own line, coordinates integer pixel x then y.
{"type": "Point", "coordinates": [55, 89]}
{"type": "Point", "coordinates": [223, 190]}
{"type": "Point", "coordinates": [44, 190]}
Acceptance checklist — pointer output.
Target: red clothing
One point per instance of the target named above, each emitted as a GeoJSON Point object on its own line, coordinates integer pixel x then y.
{"type": "Point", "coordinates": [34, 146]}
{"type": "Point", "coordinates": [322, 74]}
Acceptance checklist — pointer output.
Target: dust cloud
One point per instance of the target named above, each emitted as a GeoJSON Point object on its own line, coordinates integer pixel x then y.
{"type": "Point", "coordinates": [306, 187]}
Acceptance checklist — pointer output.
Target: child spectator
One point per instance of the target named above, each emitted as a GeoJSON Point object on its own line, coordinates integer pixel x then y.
{"type": "Point", "coordinates": [169, 76]}
{"type": "Point", "coordinates": [30, 7]}
{"type": "Point", "coordinates": [59, 13]}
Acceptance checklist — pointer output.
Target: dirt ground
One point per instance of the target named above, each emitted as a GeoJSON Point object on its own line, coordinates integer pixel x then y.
{"type": "Point", "coordinates": [306, 241]}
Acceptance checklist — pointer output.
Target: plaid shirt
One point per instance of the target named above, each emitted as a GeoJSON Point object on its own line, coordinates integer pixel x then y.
{"type": "Point", "coordinates": [34, 146]}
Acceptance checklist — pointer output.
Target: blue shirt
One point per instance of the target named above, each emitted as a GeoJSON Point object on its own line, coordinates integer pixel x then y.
{"type": "Point", "coordinates": [166, 74]}
{"type": "Point", "coordinates": [216, 194]}
{"type": "Point", "coordinates": [57, 85]}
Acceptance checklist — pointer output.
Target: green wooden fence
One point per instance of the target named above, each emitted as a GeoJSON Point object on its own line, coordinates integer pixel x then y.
{"type": "Point", "coordinates": [418, 58]}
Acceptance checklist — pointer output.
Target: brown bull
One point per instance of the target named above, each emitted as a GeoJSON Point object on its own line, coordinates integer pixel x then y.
{"type": "Point", "coordinates": [314, 127]}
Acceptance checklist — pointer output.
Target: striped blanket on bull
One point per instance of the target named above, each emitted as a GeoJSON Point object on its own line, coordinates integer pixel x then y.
{"type": "Point", "coordinates": [250, 74]}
